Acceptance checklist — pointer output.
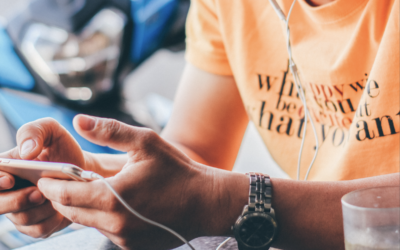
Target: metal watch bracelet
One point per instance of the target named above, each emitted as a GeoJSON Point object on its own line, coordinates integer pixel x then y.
{"type": "Point", "coordinates": [260, 192]}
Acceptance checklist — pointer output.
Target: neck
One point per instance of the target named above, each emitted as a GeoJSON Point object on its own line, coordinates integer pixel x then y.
{"type": "Point", "coordinates": [318, 2]}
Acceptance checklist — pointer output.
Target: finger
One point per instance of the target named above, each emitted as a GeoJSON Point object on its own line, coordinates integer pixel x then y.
{"type": "Point", "coordinates": [85, 216]}
{"type": "Point", "coordinates": [119, 241]}
{"type": "Point", "coordinates": [11, 154]}
{"type": "Point", "coordinates": [45, 228]}
{"type": "Point", "coordinates": [34, 136]}
{"type": "Point", "coordinates": [7, 181]}
{"type": "Point", "coordinates": [20, 200]}
{"type": "Point", "coordinates": [112, 133]}
{"type": "Point", "coordinates": [33, 216]}
{"type": "Point", "coordinates": [76, 194]}
{"type": "Point", "coordinates": [20, 184]}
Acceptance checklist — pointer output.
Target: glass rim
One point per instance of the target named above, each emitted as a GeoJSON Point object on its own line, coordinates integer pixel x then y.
{"type": "Point", "coordinates": [345, 203]}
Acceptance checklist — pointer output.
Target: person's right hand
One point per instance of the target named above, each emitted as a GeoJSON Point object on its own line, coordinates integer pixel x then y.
{"type": "Point", "coordinates": [42, 140]}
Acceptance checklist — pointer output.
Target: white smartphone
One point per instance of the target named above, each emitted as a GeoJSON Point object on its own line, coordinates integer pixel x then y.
{"type": "Point", "coordinates": [34, 170]}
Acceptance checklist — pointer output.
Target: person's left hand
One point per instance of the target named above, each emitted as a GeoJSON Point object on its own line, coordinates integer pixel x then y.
{"type": "Point", "coordinates": [158, 181]}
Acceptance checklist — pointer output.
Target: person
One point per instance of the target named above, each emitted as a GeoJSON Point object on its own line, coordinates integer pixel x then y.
{"type": "Point", "coordinates": [347, 52]}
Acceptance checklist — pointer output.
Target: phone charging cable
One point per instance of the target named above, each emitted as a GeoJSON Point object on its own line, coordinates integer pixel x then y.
{"type": "Point", "coordinates": [89, 175]}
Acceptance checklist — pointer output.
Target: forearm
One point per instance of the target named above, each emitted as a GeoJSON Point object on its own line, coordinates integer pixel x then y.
{"type": "Point", "coordinates": [310, 214]}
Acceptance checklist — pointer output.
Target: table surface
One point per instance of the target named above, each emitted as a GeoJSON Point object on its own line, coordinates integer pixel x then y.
{"type": "Point", "coordinates": [91, 239]}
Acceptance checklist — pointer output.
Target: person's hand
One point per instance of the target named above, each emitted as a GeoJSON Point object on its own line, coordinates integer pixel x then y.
{"type": "Point", "coordinates": [32, 214]}
{"type": "Point", "coordinates": [158, 181]}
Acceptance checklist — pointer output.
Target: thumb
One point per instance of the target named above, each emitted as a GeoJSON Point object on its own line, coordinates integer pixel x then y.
{"type": "Point", "coordinates": [34, 136]}
{"type": "Point", "coordinates": [112, 133]}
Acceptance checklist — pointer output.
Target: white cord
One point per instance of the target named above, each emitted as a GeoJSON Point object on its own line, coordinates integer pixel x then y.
{"type": "Point", "coordinates": [300, 90]}
{"type": "Point", "coordinates": [223, 243]}
{"type": "Point", "coordinates": [93, 176]}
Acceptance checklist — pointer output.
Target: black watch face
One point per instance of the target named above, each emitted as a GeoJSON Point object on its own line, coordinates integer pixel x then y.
{"type": "Point", "coordinates": [256, 230]}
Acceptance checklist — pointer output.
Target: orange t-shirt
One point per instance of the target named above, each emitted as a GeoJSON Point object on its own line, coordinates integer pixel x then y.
{"type": "Point", "coordinates": [347, 53]}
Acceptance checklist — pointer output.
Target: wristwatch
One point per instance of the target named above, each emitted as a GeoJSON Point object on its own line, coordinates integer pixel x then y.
{"type": "Point", "coordinates": [256, 227]}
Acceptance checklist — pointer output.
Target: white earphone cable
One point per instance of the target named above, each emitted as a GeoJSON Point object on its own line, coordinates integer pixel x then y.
{"type": "Point", "coordinates": [94, 176]}
{"type": "Point", "coordinates": [301, 92]}
{"type": "Point", "coordinates": [223, 243]}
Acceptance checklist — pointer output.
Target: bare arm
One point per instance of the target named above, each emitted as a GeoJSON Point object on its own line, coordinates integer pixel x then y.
{"type": "Point", "coordinates": [204, 130]}
{"type": "Point", "coordinates": [208, 123]}
{"type": "Point", "coordinates": [209, 119]}
{"type": "Point", "coordinates": [311, 216]}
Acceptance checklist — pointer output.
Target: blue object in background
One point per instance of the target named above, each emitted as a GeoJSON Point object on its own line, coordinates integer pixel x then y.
{"type": "Point", "coordinates": [19, 110]}
{"type": "Point", "coordinates": [150, 20]}
{"type": "Point", "coordinates": [13, 72]}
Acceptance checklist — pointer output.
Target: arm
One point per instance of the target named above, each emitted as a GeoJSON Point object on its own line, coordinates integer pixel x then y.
{"type": "Point", "coordinates": [309, 213]}
{"type": "Point", "coordinates": [311, 217]}
{"type": "Point", "coordinates": [196, 200]}
{"type": "Point", "coordinates": [209, 120]}
{"type": "Point", "coordinates": [192, 119]}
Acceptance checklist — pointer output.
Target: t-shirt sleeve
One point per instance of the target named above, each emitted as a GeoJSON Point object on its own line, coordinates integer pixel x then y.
{"type": "Point", "coordinates": [204, 43]}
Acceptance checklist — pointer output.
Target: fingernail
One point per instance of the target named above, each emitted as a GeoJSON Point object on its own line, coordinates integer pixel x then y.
{"type": "Point", "coordinates": [5, 182]}
{"type": "Point", "coordinates": [87, 123]}
{"type": "Point", "coordinates": [36, 197]}
{"type": "Point", "coordinates": [27, 147]}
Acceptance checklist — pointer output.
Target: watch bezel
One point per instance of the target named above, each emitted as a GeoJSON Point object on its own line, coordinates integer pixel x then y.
{"type": "Point", "coordinates": [247, 216]}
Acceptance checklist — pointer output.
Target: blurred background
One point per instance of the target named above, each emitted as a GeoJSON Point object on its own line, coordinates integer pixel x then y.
{"type": "Point", "coordinates": [112, 58]}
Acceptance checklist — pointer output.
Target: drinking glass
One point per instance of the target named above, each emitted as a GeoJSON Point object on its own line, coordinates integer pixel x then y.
{"type": "Point", "coordinates": [371, 219]}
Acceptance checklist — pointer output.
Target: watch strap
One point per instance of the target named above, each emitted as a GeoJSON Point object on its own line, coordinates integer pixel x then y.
{"type": "Point", "coordinates": [260, 193]}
